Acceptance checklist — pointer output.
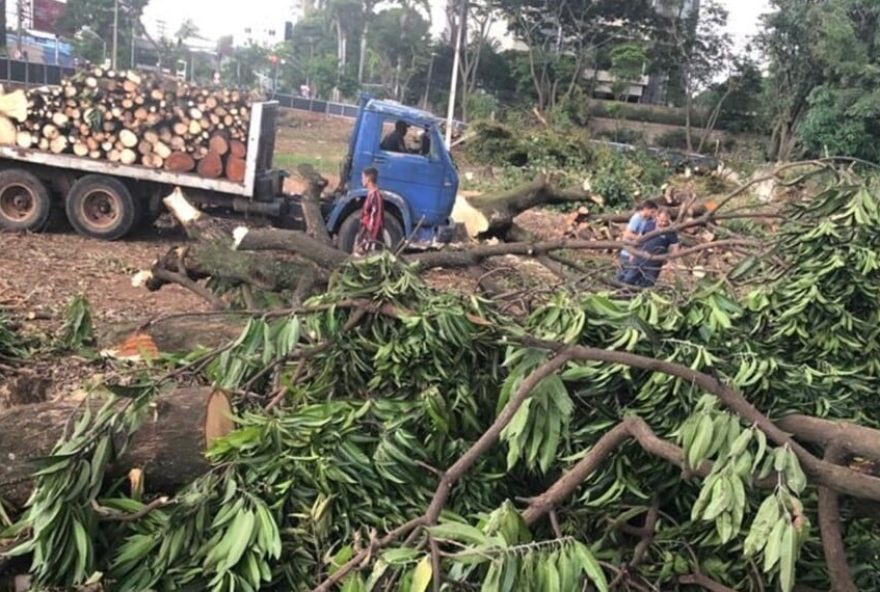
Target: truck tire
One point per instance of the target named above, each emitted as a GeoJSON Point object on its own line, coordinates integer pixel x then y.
{"type": "Point", "coordinates": [25, 202]}
{"type": "Point", "coordinates": [348, 231]}
{"type": "Point", "coordinates": [101, 207]}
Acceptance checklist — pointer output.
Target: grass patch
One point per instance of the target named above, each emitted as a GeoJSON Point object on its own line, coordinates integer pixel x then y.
{"type": "Point", "coordinates": [288, 161]}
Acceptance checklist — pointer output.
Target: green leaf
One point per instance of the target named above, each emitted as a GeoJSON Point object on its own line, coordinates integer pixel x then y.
{"type": "Point", "coordinates": [774, 544]}
{"type": "Point", "coordinates": [591, 567]}
{"type": "Point", "coordinates": [794, 475]}
{"type": "Point", "coordinates": [240, 532]}
{"type": "Point", "coordinates": [787, 558]}
{"type": "Point", "coordinates": [83, 550]}
{"type": "Point", "coordinates": [765, 519]}
{"type": "Point", "coordinates": [422, 575]}
{"type": "Point", "coordinates": [457, 531]}
{"type": "Point", "coordinates": [400, 556]}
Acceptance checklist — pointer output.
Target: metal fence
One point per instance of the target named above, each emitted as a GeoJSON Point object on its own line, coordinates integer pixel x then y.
{"type": "Point", "coordinates": [317, 106]}
{"type": "Point", "coordinates": [31, 73]}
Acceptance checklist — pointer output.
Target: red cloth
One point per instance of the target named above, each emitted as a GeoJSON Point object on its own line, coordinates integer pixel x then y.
{"type": "Point", "coordinates": [372, 217]}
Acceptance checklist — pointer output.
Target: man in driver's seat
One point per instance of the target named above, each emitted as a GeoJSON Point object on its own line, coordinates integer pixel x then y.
{"type": "Point", "coordinates": [396, 140]}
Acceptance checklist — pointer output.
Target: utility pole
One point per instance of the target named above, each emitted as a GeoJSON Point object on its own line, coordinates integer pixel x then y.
{"type": "Point", "coordinates": [3, 26]}
{"type": "Point", "coordinates": [20, 10]}
{"type": "Point", "coordinates": [115, 33]}
{"type": "Point", "coordinates": [456, 62]}
{"type": "Point", "coordinates": [428, 84]}
{"type": "Point", "coordinates": [133, 37]}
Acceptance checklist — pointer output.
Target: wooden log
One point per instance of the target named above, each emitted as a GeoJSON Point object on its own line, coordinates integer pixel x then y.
{"type": "Point", "coordinates": [128, 138]}
{"type": "Point", "coordinates": [169, 447]}
{"type": "Point", "coordinates": [14, 105]}
{"type": "Point", "coordinates": [80, 148]}
{"type": "Point", "coordinates": [50, 132]}
{"type": "Point", "coordinates": [128, 156]}
{"type": "Point", "coordinates": [211, 166]}
{"type": "Point", "coordinates": [145, 147]}
{"type": "Point", "coordinates": [161, 150]}
{"type": "Point", "coordinates": [219, 144]}
{"type": "Point", "coordinates": [194, 128]}
{"type": "Point", "coordinates": [237, 149]}
{"type": "Point", "coordinates": [58, 145]}
{"type": "Point", "coordinates": [235, 169]}
{"type": "Point", "coordinates": [8, 132]}
{"type": "Point", "coordinates": [24, 139]}
{"type": "Point", "coordinates": [60, 119]}
{"type": "Point", "coordinates": [180, 162]}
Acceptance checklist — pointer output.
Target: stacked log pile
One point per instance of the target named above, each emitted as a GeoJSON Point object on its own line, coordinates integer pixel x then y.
{"type": "Point", "coordinates": [132, 118]}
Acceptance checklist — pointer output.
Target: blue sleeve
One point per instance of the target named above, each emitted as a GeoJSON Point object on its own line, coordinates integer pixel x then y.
{"type": "Point", "coordinates": [673, 238]}
{"type": "Point", "coordinates": [635, 224]}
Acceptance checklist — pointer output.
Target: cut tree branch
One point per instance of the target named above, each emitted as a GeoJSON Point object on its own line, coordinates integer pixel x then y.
{"type": "Point", "coordinates": [841, 479]}
{"type": "Point", "coordinates": [829, 526]}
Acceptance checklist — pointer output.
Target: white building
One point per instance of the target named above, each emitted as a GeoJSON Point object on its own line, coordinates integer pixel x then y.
{"type": "Point", "coordinates": [268, 28]}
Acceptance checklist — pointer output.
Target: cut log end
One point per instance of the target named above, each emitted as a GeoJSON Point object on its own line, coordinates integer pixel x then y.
{"type": "Point", "coordinates": [473, 219]}
{"type": "Point", "coordinates": [218, 417]}
{"type": "Point", "coordinates": [238, 236]}
{"type": "Point", "coordinates": [141, 278]}
{"type": "Point", "coordinates": [178, 205]}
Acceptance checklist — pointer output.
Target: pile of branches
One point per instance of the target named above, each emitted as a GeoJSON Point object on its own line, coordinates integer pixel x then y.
{"type": "Point", "coordinates": [133, 118]}
{"type": "Point", "coordinates": [396, 437]}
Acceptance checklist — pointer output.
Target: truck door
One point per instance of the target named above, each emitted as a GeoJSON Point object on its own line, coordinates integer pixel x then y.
{"type": "Point", "coordinates": [418, 178]}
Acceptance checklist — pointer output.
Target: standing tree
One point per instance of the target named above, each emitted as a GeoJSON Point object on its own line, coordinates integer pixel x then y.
{"type": "Point", "coordinates": [844, 109]}
{"type": "Point", "coordinates": [479, 16]}
{"type": "Point", "coordinates": [693, 47]}
{"type": "Point", "coordinates": [790, 31]}
{"type": "Point", "coordinates": [400, 46]}
{"type": "Point", "coordinates": [563, 38]}
{"type": "Point", "coordinates": [369, 7]}
{"type": "Point", "coordinates": [97, 16]}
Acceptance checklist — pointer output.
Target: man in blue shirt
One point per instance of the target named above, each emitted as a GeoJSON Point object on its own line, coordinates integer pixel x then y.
{"type": "Point", "coordinates": [642, 271]}
{"type": "Point", "coordinates": [642, 222]}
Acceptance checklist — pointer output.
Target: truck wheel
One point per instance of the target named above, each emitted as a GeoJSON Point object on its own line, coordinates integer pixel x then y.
{"type": "Point", "coordinates": [101, 207]}
{"type": "Point", "coordinates": [25, 203]}
{"type": "Point", "coordinates": [392, 231]}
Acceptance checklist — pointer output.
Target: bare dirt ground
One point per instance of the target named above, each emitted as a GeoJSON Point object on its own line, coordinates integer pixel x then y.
{"type": "Point", "coordinates": [41, 273]}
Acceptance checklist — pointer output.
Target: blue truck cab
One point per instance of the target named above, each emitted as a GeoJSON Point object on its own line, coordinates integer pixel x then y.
{"type": "Point", "coordinates": [418, 186]}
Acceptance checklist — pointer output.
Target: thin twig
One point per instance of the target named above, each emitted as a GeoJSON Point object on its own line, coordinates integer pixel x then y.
{"type": "Point", "coordinates": [108, 515]}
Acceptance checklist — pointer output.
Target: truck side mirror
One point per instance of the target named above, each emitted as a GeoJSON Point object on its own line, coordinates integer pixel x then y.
{"type": "Point", "coordinates": [426, 142]}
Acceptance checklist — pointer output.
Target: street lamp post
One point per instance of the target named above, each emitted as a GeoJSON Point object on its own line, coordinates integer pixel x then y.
{"type": "Point", "coordinates": [115, 33]}
{"type": "Point", "coordinates": [453, 87]}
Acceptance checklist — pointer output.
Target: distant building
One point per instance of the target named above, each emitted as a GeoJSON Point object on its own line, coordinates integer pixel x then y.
{"type": "Point", "coordinates": [46, 15]}
{"type": "Point", "coordinates": [656, 90]}
{"type": "Point", "coordinates": [35, 15]}
{"type": "Point", "coordinates": [269, 28]}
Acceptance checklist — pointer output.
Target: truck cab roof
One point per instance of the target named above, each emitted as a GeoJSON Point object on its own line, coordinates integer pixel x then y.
{"type": "Point", "coordinates": [395, 110]}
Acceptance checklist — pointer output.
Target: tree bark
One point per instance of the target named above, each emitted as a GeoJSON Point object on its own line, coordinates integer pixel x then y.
{"type": "Point", "coordinates": [311, 204]}
{"type": "Point", "coordinates": [491, 215]}
{"type": "Point", "coordinates": [832, 538]}
{"type": "Point", "coordinates": [169, 446]}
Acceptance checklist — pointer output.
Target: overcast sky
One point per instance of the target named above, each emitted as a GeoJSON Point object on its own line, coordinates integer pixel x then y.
{"type": "Point", "coordinates": [215, 19]}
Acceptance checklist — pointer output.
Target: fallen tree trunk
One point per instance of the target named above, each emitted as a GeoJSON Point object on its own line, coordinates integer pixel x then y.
{"type": "Point", "coordinates": [168, 447]}
{"type": "Point", "coordinates": [491, 215]}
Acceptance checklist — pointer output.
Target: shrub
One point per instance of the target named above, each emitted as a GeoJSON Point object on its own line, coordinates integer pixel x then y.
{"type": "Point", "coordinates": [498, 144]}
{"type": "Point", "coordinates": [622, 135]}
{"type": "Point", "coordinates": [676, 139]}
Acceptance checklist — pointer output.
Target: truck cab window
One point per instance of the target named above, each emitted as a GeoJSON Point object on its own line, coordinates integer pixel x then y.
{"type": "Point", "coordinates": [401, 137]}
